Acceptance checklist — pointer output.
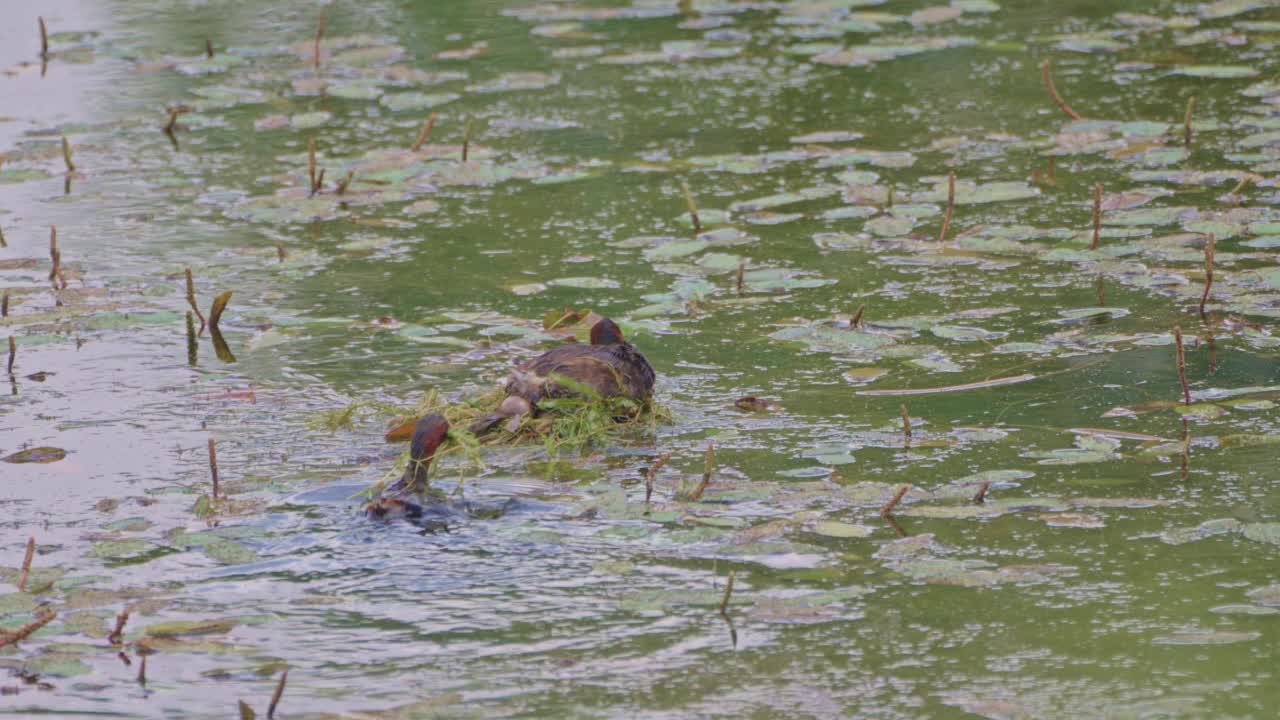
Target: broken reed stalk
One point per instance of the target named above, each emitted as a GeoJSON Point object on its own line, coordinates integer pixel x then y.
{"type": "Point", "coordinates": [142, 671]}
{"type": "Point", "coordinates": [906, 425]}
{"type": "Point", "coordinates": [693, 207]}
{"type": "Point", "coordinates": [344, 183]}
{"type": "Point", "coordinates": [44, 38]}
{"type": "Point", "coordinates": [708, 468]}
{"type": "Point", "coordinates": [1046, 74]}
{"type": "Point", "coordinates": [1208, 273]}
{"type": "Point", "coordinates": [1097, 216]}
{"type": "Point", "coordinates": [215, 311]}
{"type": "Point", "coordinates": [193, 348]}
{"type": "Point", "coordinates": [280, 253]}
{"type": "Point", "coordinates": [466, 139]}
{"type": "Point", "coordinates": [319, 182]}
{"type": "Point", "coordinates": [742, 271]}
{"type": "Point", "coordinates": [55, 273]}
{"type": "Point", "coordinates": [728, 593]}
{"type": "Point", "coordinates": [315, 50]}
{"type": "Point", "coordinates": [174, 111]}
{"type": "Point", "coordinates": [951, 207]}
{"type": "Point", "coordinates": [1240, 185]}
{"type": "Point", "coordinates": [26, 564]}
{"type": "Point", "coordinates": [893, 501]}
{"type": "Point", "coordinates": [425, 133]}
{"type": "Point", "coordinates": [652, 474]}
{"type": "Point", "coordinates": [311, 164]}
{"type": "Point", "coordinates": [117, 635]}
{"type": "Point", "coordinates": [856, 320]}
{"type": "Point", "coordinates": [4, 305]}
{"type": "Point", "coordinates": [1180, 356]}
{"type": "Point", "coordinates": [275, 696]}
{"type": "Point", "coordinates": [246, 712]}
{"type": "Point", "coordinates": [66, 154]}
{"type": "Point", "coordinates": [1186, 121]}
{"type": "Point", "coordinates": [213, 466]}
{"type": "Point", "coordinates": [981, 497]}
{"type": "Point", "coordinates": [13, 353]}
{"type": "Point", "coordinates": [9, 638]}
{"type": "Point", "coordinates": [191, 300]}
{"type": "Point", "coordinates": [3, 244]}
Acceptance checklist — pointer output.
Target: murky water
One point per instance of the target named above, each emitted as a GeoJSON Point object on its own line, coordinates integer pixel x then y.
{"type": "Point", "coordinates": [1106, 575]}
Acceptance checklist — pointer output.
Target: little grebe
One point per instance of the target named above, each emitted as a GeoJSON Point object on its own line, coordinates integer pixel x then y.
{"type": "Point", "coordinates": [609, 367]}
{"type": "Point", "coordinates": [429, 432]}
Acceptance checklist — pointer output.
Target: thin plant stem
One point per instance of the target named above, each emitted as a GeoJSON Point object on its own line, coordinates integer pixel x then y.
{"type": "Point", "coordinates": [1186, 121]}
{"type": "Point", "coordinates": [951, 207]}
{"type": "Point", "coordinates": [1097, 216]}
{"type": "Point", "coordinates": [1208, 273]}
{"type": "Point", "coordinates": [1180, 357]}
{"type": "Point", "coordinates": [425, 133]}
{"type": "Point", "coordinates": [893, 501]}
{"type": "Point", "coordinates": [1046, 74]}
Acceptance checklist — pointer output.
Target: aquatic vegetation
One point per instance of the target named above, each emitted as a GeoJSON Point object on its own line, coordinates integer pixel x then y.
{"type": "Point", "coordinates": [997, 216]}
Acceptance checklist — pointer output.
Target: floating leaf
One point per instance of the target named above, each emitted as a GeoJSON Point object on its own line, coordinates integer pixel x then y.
{"type": "Point", "coordinates": [401, 102]}
{"type": "Point", "coordinates": [1216, 71]}
{"type": "Point", "coordinates": [585, 283]}
{"type": "Point", "coordinates": [1263, 532]}
{"type": "Point", "coordinates": [36, 455]}
{"type": "Point", "coordinates": [1207, 637]}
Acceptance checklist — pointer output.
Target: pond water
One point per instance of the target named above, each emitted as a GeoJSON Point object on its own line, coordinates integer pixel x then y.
{"type": "Point", "coordinates": [1122, 563]}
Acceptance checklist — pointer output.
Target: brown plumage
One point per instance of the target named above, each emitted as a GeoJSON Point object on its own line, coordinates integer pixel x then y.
{"type": "Point", "coordinates": [609, 367]}
{"type": "Point", "coordinates": [430, 431]}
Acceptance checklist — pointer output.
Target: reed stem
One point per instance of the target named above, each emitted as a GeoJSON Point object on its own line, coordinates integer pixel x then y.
{"type": "Point", "coordinates": [1180, 357]}
{"type": "Point", "coordinates": [311, 164]}
{"type": "Point", "coordinates": [315, 50]}
{"type": "Point", "coordinates": [425, 133]}
{"type": "Point", "coordinates": [652, 474]}
{"type": "Point", "coordinates": [26, 564]}
{"type": "Point", "coordinates": [893, 501]}
{"type": "Point", "coordinates": [44, 38]}
{"type": "Point", "coordinates": [191, 300]}
{"type": "Point", "coordinates": [728, 594]}
{"type": "Point", "coordinates": [1097, 216]}
{"type": "Point", "coordinates": [10, 638]}
{"type": "Point", "coordinates": [275, 696]}
{"type": "Point", "coordinates": [466, 139]}
{"type": "Point", "coordinates": [1046, 74]}
{"type": "Point", "coordinates": [981, 497]}
{"type": "Point", "coordinates": [708, 468]}
{"type": "Point", "coordinates": [693, 207]}
{"type": "Point", "coordinates": [1186, 121]}
{"type": "Point", "coordinates": [951, 207]}
{"type": "Point", "coordinates": [117, 635]}
{"type": "Point", "coordinates": [55, 273]}
{"type": "Point", "coordinates": [66, 154]}
{"type": "Point", "coordinates": [906, 426]}
{"type": "Point", "coordinates": [1208, 273]}
{"type": "Point", "coordinates": [213, 467]}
